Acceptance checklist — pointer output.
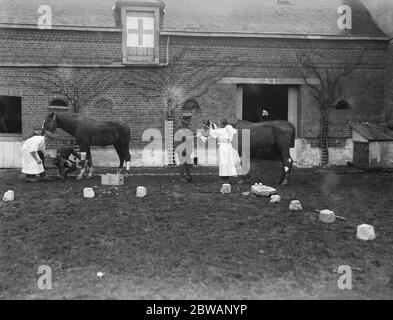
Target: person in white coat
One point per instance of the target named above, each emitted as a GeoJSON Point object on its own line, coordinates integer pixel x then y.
{"type": "Point", "coordinates": [228, 157]}
{"type": "Point", "coordinates": [32, 164]}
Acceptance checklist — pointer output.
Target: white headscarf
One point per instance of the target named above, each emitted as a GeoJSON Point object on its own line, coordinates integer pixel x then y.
{"type": "Point", "coordinates": [231, 131]}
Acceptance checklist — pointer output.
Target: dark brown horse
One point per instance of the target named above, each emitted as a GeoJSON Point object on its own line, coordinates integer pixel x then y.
{"type": "Point", "coordinates": [271, 139]}
{"type": "Point", "coordinates": [88, 132]}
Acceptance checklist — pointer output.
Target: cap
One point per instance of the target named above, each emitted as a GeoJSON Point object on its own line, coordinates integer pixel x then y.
{"type": "Point", "coordinates": [187, 115]}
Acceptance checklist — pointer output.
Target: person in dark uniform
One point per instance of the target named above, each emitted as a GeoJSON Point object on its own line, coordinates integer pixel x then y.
{"type": "Point", "coordinates": [67, 158]}
{"type": "Point", "coordinates": [184, 152]}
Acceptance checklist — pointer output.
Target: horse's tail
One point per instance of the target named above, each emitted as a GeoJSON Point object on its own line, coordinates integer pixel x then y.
{"type": "Point", "coordinates": [126, 144]}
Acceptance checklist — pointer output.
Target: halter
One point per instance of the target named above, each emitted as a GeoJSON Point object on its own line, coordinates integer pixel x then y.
{"type": "Point", "coordinates": [213, 123]}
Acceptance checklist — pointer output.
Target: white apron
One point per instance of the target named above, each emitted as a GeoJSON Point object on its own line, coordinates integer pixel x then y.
{"type": "Point", "coordinates": [29, 165]}
{"type": "Point", "coordinates": [228, 157]}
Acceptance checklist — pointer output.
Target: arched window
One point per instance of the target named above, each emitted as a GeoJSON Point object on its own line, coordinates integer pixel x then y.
{"type": "Point", "coordinates": [104, 106]}
{"type": "Point", "coordinates": [100, 109]}
{"type": "Point", "coordinates": [58, 103]}
{"type": "Point", "coordinates": [343, 105]}
{"type": "Point", "coordinates": [190, 105]}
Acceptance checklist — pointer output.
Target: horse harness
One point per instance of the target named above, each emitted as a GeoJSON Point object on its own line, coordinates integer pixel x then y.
{"type": "Point", "coordinates": [211, 122]}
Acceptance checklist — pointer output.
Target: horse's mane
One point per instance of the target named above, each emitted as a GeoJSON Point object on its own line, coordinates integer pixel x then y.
{"type": "Point", "coordinates": [69, 115]}
{"type": "Point", "coordinates": [84, 119]}
{"type": "Point", "coordinates": [216, 123]}
{"type": "Point", "coordinates": [73, 116]}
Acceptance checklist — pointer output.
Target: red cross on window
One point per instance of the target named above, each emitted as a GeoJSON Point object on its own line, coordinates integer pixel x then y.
{"type": "Point", "coordinates": [140, 32]}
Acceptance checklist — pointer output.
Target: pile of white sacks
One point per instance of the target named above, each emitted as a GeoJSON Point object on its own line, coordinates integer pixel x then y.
{"type": "Point", "coordinates": [261, 190]}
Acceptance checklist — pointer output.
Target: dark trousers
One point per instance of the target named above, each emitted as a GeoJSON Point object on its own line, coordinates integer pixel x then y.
{"type": "Point", "coordinates": [185, 170]}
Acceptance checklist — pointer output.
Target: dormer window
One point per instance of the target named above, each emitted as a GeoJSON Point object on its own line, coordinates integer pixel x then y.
{"type": "Point", "coordinates": [140, 21]}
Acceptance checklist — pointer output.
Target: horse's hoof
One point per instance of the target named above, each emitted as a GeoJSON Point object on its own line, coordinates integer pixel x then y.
{"type": "Point", "coordinates": [89, 177]}
{"type": "Point", "coordinates": [78, 178]}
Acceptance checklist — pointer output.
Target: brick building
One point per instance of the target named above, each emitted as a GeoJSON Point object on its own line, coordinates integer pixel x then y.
{"type": "Point", "coordinates": [253, 45]}
{"type": "Point", "coordinates": [382, 13]}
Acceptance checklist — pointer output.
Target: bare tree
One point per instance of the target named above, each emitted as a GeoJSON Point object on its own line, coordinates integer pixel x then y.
{"type": "Point", "coordinates": [78, 87]}
{"type": "Point", "coordinates": [183, 78]}
{"type": "Point", "coordinates": [328, 91]}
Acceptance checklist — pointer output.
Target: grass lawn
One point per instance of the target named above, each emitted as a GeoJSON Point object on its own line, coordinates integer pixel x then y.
{"type": "Point", "coordinates": [188, 241]}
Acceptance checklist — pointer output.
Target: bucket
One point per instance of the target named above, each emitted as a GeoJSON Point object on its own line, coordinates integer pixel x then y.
{"type": "Point", "coordinates": [88, 193]}
{"type": "Point", "coordinates": [9, 196]}
{"type": "Point", "coordinates": [226, 188]}
{"type": "Point", "coordinates": [141, 192]}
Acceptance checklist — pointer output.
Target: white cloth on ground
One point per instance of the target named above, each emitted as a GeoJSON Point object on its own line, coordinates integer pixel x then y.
{"type": "Point", "coordinates": [228, 157]}
{"type": "Point", "coordinates": [29, 164]}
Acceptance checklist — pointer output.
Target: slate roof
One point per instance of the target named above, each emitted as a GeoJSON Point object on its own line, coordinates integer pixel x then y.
{"type": "Point", "coordinates": [373, 132]}
{"type": "Point", "coordinates": [382, 12]}
{"type": "Point", "coordinates": [316, 17]}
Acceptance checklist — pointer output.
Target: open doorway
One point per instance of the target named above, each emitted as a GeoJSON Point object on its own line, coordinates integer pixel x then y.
{"type": "Point", "coordinates": [258, 98]}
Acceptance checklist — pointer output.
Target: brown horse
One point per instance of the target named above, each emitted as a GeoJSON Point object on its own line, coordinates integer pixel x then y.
{"type": "Point", "coordinates": [88, 132]}
{"type": "Point", "coordinates": [271, 139]}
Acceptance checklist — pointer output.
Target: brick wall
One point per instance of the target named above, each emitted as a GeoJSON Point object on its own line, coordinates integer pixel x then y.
{"type": "Point", "coordinates": [261, 58]}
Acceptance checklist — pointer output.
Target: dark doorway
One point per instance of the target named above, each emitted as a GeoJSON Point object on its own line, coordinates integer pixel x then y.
{"type": "Point", "coordinates": [10, 114]}
{"type": "Point", "coordinates": [260, 97]}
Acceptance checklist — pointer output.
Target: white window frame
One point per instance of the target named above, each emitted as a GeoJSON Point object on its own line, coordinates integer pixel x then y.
{"type": "Point", "coordinates": [156, 14]}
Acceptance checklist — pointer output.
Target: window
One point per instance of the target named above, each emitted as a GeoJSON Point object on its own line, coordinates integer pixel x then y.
{"type": "Point", "coordinates": [140, 21]}
{"type": "Point", "coordinates": [140, 36]}
{"type": "Point", "coordinates": [10, 114]}
{"type": "Point", "coordinates": [343, 105]}
{"type": "Point", "coordinates": [103, 109]}
{"type": "Point", "coordinates": [190, 105]}
{"type": "Point", "coordinates": [58, 104]}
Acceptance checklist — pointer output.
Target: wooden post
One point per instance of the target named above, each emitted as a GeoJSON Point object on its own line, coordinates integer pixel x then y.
{"type": "Point", "coordinates": [292, 114]}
